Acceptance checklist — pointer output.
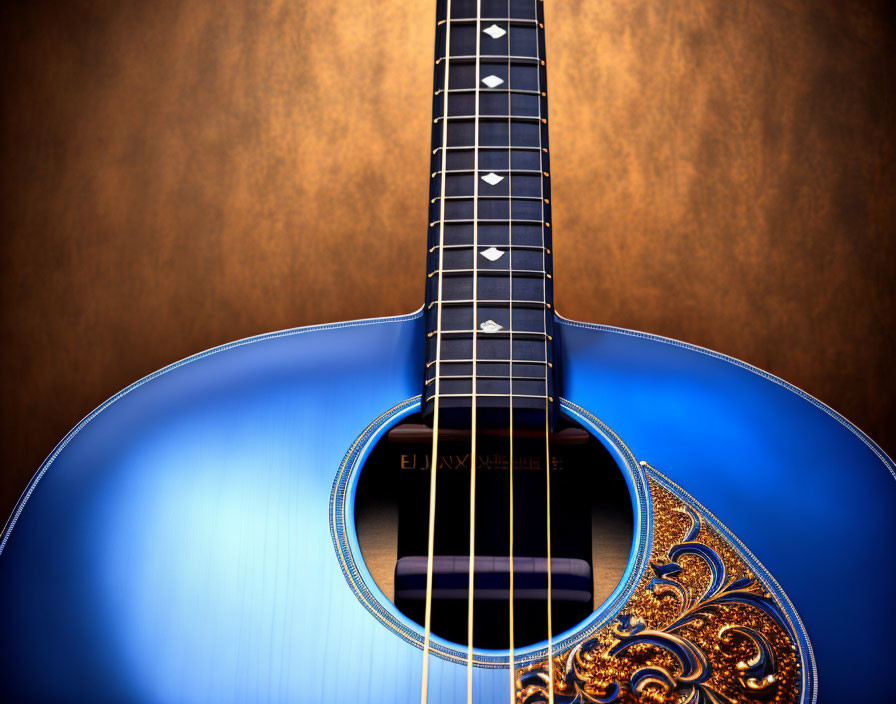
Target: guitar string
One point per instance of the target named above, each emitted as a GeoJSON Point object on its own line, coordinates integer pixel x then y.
{"type": "Point", "coordinates": [436, 395]}
{"type": "Point", "coordinates": [547, 452]}
{"type": "Point", "coordinates": [470, 591]}
{"type": "Point", "coordinates": [510, 660]}
{"type": "Point", "coordinates": [547, 401]}
{"type": "Point", "coordinates": [430, 549]}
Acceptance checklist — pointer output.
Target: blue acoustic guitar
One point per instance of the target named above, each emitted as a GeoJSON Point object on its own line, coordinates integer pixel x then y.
{"type": "Point", "coordinates": [478, 502]}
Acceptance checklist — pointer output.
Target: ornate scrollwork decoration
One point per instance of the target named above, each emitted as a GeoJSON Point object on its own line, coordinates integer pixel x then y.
{"type": "Point", "coordinates": [700, 628]}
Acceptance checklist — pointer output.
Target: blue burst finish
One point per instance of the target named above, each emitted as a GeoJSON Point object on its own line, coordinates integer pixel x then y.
{"type": "Point", "coordinates": [177, 545]}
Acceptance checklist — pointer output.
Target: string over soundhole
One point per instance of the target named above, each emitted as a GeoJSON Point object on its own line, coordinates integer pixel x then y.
{"type": "Point", "coordinates": [591, 529]}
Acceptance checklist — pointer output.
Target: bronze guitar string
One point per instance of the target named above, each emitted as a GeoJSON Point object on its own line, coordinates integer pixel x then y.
{"type": "Point", "coordinates": [510, 659]}
{"type": "Point", "coordinates": [472, 561]}
{"type": "Point", "coordinates": [430, 549]}
{"type": "Point", "coordinates": [547, 398]}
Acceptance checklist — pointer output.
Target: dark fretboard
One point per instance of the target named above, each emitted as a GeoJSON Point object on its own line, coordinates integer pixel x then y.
{"type": "Point", "coordinates": [489, 307]}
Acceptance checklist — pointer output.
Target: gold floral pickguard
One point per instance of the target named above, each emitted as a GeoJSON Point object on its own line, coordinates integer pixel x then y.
{"type": "Point", "coordinates": [700, 628]}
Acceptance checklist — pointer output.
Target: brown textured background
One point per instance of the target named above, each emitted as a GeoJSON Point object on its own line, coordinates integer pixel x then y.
{"type": "Point", "coordinates": [175, 174]}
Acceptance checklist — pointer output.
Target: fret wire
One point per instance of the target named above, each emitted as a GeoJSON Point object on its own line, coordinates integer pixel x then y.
{"type": "Point", "coordinates": [459, 383]}
{"type": "Point", "coordinates": [492, 272]}
{"type": "Point", "coordinates": [531, 247]}
{"type": "Point", "coordinates": [512, 20]}
{"type": "Point", "coordinates": [496, 302]}
{"type": "Point", "coordinates": [470, 147]}
{"type": "Point", "coordinates": [499, 221]}
{"type": "Point", "coordinates": [515, 362]}
{"type": "Point", "coordinates": [504, 197]}
{"type": "Point", "coordinates": [498, 334]}
{"type": "Point", "coordinates": [522, 118]}
{"type": "Point", "coordinates": [498, 377]}
{"type": "Point", "coordinates": [532, 172]}
{"type": "Point", "coordinates": [545, 396]}
{"type": "Point", "coordinates": [470, 58]}
{"type": "Point", "coordinates": [522, 91]}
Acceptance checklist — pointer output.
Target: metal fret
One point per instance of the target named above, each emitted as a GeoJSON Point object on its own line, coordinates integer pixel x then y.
{"type": "Point", "coordinates": [499, 334]}
{"type": "Point", "coordinates": [464, 172]}
{"type": "Point", "coordinates": [521, 118]}
{"type": "Point", "coordinates": [470, 58]}
{"type": "Point", "coordinates": [496, 301]}
{"type": "Point", "coordinates": [501, 221]}
{"type": "Point", "coordinates": [514, 362]}
{"type": "Point", "coordinates": [520, 91]}
{"type": "Point", "coordinates": [492, 272]}
{"type": "Point", "coordinates": [487, 148]}
{"type": "Point", "coordinates": [533, 248]}
{"type": "Point", "coordinates": [542, 397]}
{"type": "Point", "coordinates": [499, 197]}
{"type": "Point", "coordinates": [513, 20]}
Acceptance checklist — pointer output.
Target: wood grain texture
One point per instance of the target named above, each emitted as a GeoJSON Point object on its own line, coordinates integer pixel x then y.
{"type": "Point", "coordinates": [177, 174]}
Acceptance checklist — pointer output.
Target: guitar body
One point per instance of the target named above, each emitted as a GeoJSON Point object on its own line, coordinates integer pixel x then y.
{"type": "Point", "coordinates": [191, 539]}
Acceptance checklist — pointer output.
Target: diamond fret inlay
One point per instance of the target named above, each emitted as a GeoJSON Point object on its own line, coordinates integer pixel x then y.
{"type": "Point", "coordinates": [492, 179]}
{"type": "Point", "coordinates": [492, 81]}
{"type": "Point", "coordinates": [492, 254]}
{"type": "Point", "coordinates": [491, 326]}
{"type": "Point", "coordinates": [495, 32]}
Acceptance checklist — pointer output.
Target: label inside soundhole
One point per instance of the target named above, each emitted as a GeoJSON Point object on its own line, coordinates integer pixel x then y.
{"type": "Point", "coordinates": [590, 526]}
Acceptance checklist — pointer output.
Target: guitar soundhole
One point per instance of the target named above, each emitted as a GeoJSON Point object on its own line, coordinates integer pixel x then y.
{"type": "Point", "coordinates": [591, 529]}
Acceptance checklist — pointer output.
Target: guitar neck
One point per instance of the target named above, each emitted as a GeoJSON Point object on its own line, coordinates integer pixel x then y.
{"type": "Point", "coordinates": [489, 293]}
